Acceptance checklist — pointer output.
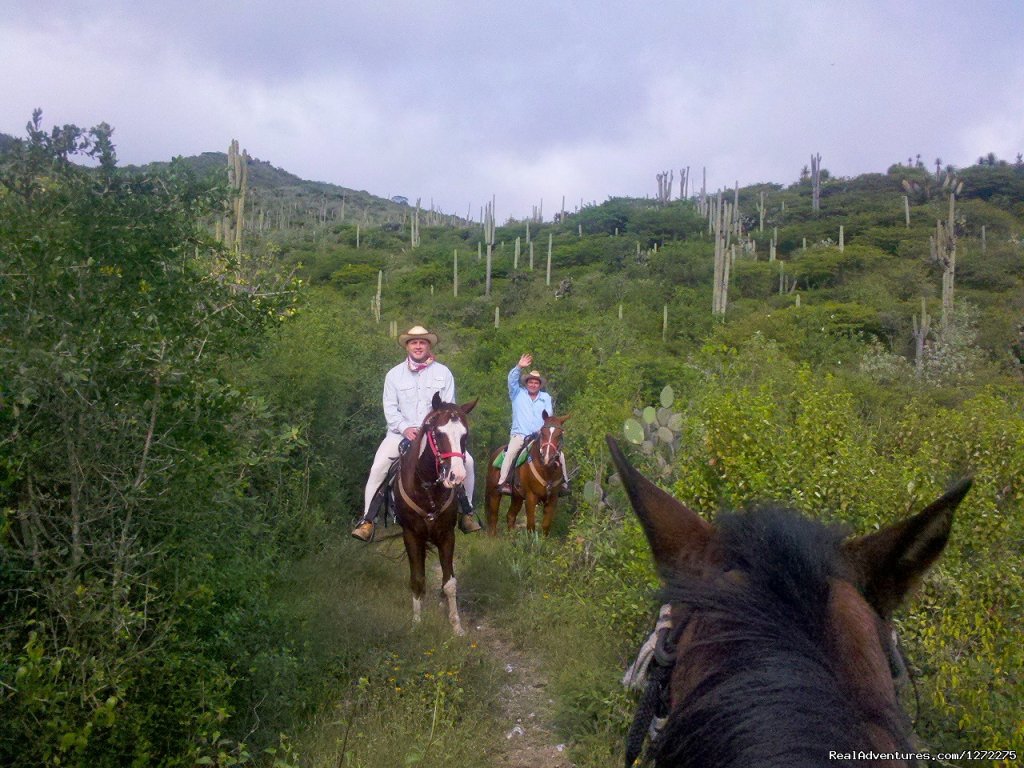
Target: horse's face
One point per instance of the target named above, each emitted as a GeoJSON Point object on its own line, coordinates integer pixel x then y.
{"type": "Point", "coordinates": [782, 642]}
{"type": "Point", "coordinates": [446, 429]}
{"type": "Point", "coordinates": [550, 438]}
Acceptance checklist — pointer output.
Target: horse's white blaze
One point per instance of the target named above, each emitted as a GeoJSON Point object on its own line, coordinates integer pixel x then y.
{"type": "Point", "coordinates": [549, 446]}
{"type": "Point", "coordinates": [450, 589]}
{"type": "Point", "coordinates": [454, 431]}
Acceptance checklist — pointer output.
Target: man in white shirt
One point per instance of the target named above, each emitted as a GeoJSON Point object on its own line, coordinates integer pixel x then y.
{"type": "Point", "coordinates": [408, 389]}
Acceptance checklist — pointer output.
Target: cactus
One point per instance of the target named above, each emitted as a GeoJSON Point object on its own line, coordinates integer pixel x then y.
{"type": "Point", "coordinates": [921, 330]}
{"type": "Point", "coordinates": [376, 301]}
{"type": "Point", "coordinates": [455, 274]}
{"type": "Point", "coordinates": [943, 247]}
{"type": "Point", "coordinates": [657, 431]}
{"type": "Point", "coordinates": [238, 178]}
{"type": "Point", "coordinates": [816, 182]}
{"type": "Point", "coordinates": [547, 279]}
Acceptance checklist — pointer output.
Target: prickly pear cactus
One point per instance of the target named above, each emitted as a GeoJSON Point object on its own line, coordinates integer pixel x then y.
{"type": "Point", "coordinates": [657, 431]}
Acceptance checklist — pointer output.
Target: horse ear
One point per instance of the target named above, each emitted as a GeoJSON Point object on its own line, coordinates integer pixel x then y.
{"type": "Point", "coordinates": [891, 562]}
{"type": "Point", "coordinates": [435, 403]}
{"type": "Point", "coordinates": [563, 419]}
{"type": "Point", "coordinates": [467, 407]}
{"type": "Point", "coordinates": [678, 536]}
{"type": "Point", "coordinates": [544, 414]}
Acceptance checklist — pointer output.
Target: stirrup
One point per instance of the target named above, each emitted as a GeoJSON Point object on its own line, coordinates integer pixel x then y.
{"type": "Point", "coordinates": [469, 524]}
{"type": "Point", "coordinates": [505, 489]}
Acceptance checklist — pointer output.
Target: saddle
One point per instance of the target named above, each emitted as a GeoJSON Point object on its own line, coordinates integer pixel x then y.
{"type": "Point", "coordinates": [384, 496]}
{"type": "Point", "coordinates": [521, 458]}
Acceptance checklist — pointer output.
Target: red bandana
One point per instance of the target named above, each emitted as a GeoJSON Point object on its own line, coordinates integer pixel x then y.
{"type": "Point", "coordinates": [417, 367]}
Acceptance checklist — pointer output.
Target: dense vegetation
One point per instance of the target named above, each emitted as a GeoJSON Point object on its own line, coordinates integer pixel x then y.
{"type": "Point", "coordinates": [185, 432]}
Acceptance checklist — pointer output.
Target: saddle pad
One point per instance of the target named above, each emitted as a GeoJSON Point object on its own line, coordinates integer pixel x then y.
{"type": "Point", "coordinates": [524, 456]}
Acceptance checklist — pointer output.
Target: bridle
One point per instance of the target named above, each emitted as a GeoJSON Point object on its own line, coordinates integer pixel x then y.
{"type": "Point", "coordinates": [442, 464]}
{"type": "Point", "coordinates": [652, 673]}
{"type": "Point", "coordinates": [550, 447]}
{"type": "Point", "coordinates": [441, 458]}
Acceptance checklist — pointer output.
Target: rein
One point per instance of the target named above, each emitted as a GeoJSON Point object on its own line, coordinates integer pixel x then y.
{"type": "Point", "coordinates": [439, 457]}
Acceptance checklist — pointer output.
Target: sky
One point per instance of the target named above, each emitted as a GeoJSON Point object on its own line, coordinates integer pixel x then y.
{"type": "Point", "coordinates": [456, 103]}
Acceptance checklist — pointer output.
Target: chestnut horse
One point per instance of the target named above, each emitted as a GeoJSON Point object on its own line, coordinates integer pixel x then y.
{"type": "Point", "coordinates": [775, 647]}
{"type": "Point", "coordinates": [426, 503]}
{"type": "Point", "coordinates": [536, 481]}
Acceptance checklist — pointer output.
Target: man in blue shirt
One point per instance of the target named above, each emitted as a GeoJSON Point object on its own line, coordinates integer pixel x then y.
{"type": "Point", "coordinates": [529, 401]}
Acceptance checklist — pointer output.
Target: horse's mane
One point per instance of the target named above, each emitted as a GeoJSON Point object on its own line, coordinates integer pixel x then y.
{"type": "Point", "coordinates": [770, 696]}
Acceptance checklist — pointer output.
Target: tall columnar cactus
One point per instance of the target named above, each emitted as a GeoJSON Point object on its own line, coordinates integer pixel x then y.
{"type": "Point", "coordinates": [455, 274]}
{"type": "Point", "coordinates": [665, 181]}
{"type": "Point", "coordinates": [414, 226]}
{"type": "Point", "coordinates": [906, 209]}
{"type": "Point", "coordinates": [722, 214]}
{"type": "Point", "coordinates": [489, 239]}
{"type": "Point", "coordinates": [684, 182]}
{"type": "Point", "coordinates": [921, 330]}
{"type": "Point", "coordinates": [816, 182]}
{"type": "Point", "coordinates": [376, 299]}
{"type": "Point", "coordinates": [547, 278]}
{"type": "Point", "coordinates": [944, 249]}
{"type": "Point", "coordinates": [760, 213]}
{"type": "Point", "coordinates": [238, 182]}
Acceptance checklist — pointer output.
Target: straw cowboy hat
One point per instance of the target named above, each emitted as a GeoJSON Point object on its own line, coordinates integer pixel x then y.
{"type": "Point", "coordinates": [523, 378]}
{"type": "Point", "coordinates": [417, 332]}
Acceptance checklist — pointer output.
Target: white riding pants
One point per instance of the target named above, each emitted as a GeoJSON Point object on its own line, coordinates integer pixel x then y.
{"type": "Point", "coordinates": [515, 442]}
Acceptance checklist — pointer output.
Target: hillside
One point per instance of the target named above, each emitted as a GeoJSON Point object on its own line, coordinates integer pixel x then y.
{"type": "Point", "coordinates": [185, 431]}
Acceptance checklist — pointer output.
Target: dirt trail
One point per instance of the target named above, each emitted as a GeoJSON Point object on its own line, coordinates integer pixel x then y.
{"type": "Point", "coordinates": [530, 740]}
{"type": "Point", "coordinates": [526, 708]}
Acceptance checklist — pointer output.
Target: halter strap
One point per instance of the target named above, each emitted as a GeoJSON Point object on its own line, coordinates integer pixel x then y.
{"type": "Point", "coordinates": [439, 454]}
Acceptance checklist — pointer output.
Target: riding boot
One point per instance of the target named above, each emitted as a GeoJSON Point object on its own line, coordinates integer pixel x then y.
{"type": "Point", "coordinates": [467, 519]}
{"type": "Point", "coordinates": [364, 531]}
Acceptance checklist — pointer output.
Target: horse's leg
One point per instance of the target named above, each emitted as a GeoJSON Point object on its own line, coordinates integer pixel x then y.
{"type": "Point", "coordinates": [514, 505]}
{"type": "Point", "coordinates": [531, 511]}
{"type": "Point", "coordinates": [416, 550]}
{"type": "Point", "coordinates": [446, 553]}
{"type": "Point", "coordinates": [549, 511]}
{"type": "Point", "coordinates": [493, 506]}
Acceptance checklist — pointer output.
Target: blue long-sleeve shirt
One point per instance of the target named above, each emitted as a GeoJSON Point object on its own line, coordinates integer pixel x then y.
{"type": "Point", "coordinates": [527, 412]}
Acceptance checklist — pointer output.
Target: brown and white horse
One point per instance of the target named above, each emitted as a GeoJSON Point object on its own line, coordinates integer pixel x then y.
{"type": "Point", "coordinates": [426, 498]}
{"type": "Point", "coordinates": [537, 481]}
{"type": "Point", "coordinates": [776, 647]}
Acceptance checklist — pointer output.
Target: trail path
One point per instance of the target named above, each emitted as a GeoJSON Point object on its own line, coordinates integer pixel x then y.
{"type": "Point", "coordinates": [526, 709]}
{"type": "Point", "coordinates": [530, 740]}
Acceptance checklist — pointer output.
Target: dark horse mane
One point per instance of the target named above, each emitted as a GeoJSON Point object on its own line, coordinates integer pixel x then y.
{"type": "Point", "coordinates": [768, 691]}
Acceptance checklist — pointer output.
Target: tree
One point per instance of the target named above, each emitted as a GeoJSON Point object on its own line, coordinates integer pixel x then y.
{"type": "Point", "coordinates": [125, 453]}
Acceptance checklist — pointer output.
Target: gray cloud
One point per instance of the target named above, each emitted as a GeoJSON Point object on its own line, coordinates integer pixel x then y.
{"type": "Point", "coordinates": [456, 101]}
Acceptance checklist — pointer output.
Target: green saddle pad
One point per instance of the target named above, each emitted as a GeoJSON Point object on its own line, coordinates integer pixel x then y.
{"type": "Point", "coordinates": [523, 456]}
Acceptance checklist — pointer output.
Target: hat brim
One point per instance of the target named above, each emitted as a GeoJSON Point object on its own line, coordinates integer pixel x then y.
{"type": "Point", "coordinates": [527, 376]}
{"type": "Point", "coordinates": [405, 338]}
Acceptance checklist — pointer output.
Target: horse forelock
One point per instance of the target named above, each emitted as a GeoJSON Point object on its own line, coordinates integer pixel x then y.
{"type": "Point", "coordinates": [778, 658]}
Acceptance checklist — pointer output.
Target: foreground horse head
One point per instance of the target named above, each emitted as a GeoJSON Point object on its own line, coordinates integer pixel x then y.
{"type": "Point", "coordinates": [538, 481]}
{"type": "Point", "coordinates": [426, 501]}
{"type": "Point", "coordinates": [783, 654]}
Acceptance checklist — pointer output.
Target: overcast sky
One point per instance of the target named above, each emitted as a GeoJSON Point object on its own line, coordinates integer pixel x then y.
{"type": "Point", "coordinates": [454, 102]}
